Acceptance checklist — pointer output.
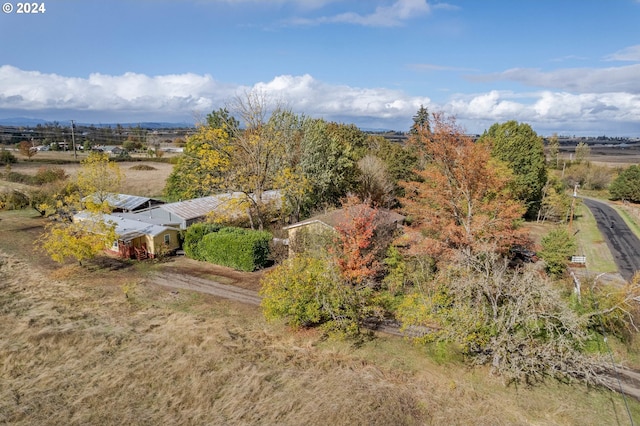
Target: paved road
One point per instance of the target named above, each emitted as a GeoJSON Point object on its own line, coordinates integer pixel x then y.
{"type": "Point", "coordinates": [624, 245]}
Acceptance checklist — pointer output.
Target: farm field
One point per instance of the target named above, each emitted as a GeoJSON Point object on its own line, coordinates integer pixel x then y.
{"type": "Point", "coordinates": [106, 344]}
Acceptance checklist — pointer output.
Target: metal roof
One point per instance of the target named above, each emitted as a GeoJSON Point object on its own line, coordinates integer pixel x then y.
{"type": "Point", "coordinates": [127, 229]}
{"type": "Point", "coordinates": [200, 207]}
{"type": "Point", "coordinates": [123, 201]}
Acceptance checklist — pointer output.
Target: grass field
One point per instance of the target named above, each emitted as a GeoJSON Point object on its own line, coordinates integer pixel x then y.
{"type": "Point", "coordinates": [74, 350]}
{"type": "Point", "coordinates": [102, 344]}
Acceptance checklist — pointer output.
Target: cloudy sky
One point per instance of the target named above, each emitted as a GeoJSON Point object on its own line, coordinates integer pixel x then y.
{"type": "Point", "coordinates": [569, 67]}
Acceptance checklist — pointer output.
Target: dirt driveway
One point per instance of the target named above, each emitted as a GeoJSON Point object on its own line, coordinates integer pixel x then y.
{"type": "Point", "coordinates": [187, 274]}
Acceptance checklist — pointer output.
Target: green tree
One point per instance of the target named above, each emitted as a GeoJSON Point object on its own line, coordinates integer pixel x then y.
{"type": "Point", "coordinates": [557, 247]}
{"type": "Point", "coordinates": [523, 150]}
{"type": "Point", "coordinates": [626, 185]}
{"type": "Point", "coordinates": [328, 161]}
{"type": "Point", "coordinates": [421, 122]}
{"type": "Point", "coordinates": [554, 151]}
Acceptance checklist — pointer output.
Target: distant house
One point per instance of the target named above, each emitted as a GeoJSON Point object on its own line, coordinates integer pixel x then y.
{"type": "Point", "coordinates": [386, 222]}
{"type": "Point", "coordinates": [111, 150]}
{"type": "Point", "coordinates": [126, 203]}
{"type": "Point", "coordinates": [136, 239]}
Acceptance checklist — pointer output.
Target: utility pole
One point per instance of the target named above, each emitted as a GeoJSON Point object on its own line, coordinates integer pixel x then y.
{"type": "Point", "coordinates": [73, 141]}
{"type": "Point", "coordinates": [573, 200]}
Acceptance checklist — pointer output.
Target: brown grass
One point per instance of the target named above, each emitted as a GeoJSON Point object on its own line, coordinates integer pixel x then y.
{"type": "Point", "coordinates": [74, 350]}
{"type": "Point", "coordinates": [146, 179]}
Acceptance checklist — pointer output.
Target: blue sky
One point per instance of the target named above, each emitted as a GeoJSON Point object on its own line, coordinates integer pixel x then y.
{"type": "Point", "coordinates": [566, 67]}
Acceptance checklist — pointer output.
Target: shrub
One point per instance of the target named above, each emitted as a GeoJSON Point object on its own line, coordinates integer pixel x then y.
{"type": "Point", "coordinates": [13, 200]}
{"type": "Point", "coordinates": [194, 235]}
{"type": "Point", "coordinates": [7, 157]}
{"type": "Point", "coordinates": [50, 174]}
{"type": "Point", "coordinates": [238, 248]}
{"type": "Point", "coordinates": [557, 246]}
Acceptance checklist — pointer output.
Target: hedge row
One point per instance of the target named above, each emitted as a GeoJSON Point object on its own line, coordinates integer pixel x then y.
{"type": "Point", "coordinates": [238, 248]}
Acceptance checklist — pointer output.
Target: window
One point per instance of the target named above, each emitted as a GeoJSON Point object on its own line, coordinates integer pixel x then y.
{"type": "Point", "coordinates": [167, 239]}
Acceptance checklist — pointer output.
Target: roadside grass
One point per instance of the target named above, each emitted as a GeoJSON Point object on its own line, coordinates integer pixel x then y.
{"type": "Point", "coordinates": [591, 243]}
{"type": "Point", "coordinates": [631, 222]}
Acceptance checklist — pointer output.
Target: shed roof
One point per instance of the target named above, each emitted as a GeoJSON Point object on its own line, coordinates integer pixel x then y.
{"type": "Point", "coordinates": [199, 207]}
{"type": "Point", "coordinates": [124, 201]}
{"type": "Point", "coordinates": [128, 229]}
{"type": "Point", "coordinates": [339, 216]}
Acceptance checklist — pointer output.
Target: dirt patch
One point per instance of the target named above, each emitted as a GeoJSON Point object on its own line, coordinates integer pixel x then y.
{"type": "Point", "coordinates": [181, 265]}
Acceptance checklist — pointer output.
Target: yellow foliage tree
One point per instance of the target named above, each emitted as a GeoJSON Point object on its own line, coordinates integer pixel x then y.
{"type": "Point", "coordinates": [66, 237]}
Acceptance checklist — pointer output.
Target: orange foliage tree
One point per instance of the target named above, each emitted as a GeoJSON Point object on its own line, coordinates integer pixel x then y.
{"type": "Point", "coordinates": [462, 202]}
{"type": "Point", "coordinates": [357, 249]}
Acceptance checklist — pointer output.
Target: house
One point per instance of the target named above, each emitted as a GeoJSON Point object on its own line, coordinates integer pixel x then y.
{"type": "Point", "coordinates": [323, 227]}
{"type": "Point", "coordinates": [136, 239]}
{"type": "Point", "coordinates": [125, 203]}
{"type": "Point", "coordinates": [182, 214]}
{"type": "Point", "coordinates": [111, 150]}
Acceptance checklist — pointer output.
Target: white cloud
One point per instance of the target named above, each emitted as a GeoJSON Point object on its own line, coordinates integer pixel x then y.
{"type": "Point", "coordinates": [117, 98]}
{"type": "Point", "coordinates": [383, 16]}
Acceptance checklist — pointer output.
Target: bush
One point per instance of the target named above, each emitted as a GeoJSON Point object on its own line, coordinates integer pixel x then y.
{"type": "Point", "coordinates": [194, 235]}
{"type": "Point", "coordinates": [7, 157]}
{"type": "Point", "coordinates": [50, 174]}
{"type": "Point", "coordinates": [557, 246]}
{"type": "Point", "coordinates": [13, 200]}
{"type": "Point", "coordinates": [238, 248]}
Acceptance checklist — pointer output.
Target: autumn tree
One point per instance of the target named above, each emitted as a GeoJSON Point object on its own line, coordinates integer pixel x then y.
{"type": "Point", "coordinates": [357, 250]}
{"type": "Point", "coordinates": [263, 154]}
{"type": "Point", "coordinates": [520, 147]}
{"type": "Point", "coordinates": [82, 237]}
{"type": "Point", "coordinates": [463, 200]}
{"type": "Point", "coordinates": [27, 149]}
{"type": "Point", "coordinates": [99, 178]}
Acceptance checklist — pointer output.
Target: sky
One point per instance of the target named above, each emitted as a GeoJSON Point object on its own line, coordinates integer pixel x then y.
{"type": "Point", "coordinates": [570, 67]}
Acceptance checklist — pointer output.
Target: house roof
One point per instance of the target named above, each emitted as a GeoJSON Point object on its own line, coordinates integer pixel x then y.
{"type": "Point", "coordinates": [336, 217]}
{"type": "Point", "coordinates": [199, 207]}
{"type": "Point", "coordinates": [128, 229]}
{"type": "Point", "coordinates": [124, 201]}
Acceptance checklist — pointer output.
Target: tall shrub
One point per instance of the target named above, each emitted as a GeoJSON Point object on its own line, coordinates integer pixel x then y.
{"type": "Point", "coordinates": [238, 248]}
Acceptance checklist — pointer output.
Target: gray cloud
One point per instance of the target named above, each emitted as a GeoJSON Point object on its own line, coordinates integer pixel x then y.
{"type": "Point", "coordinates": [577, 80]}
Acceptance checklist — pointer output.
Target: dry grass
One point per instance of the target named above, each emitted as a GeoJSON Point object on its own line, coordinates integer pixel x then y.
{"type": "Point", "coordinates": [146, 179]}
{"type": "Point", "coordinates": [75, 350]}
